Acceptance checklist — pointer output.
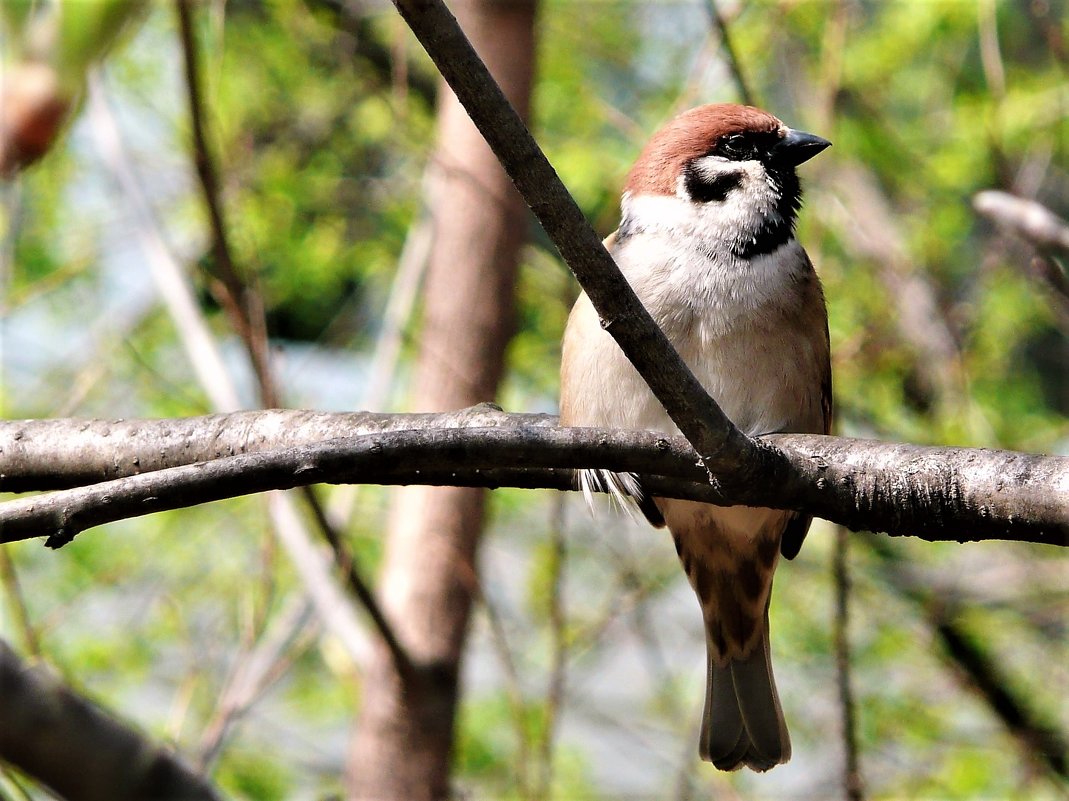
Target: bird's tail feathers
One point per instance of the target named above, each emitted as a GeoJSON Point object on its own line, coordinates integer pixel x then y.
{"type": "Point", "coordinates": [743, 722]}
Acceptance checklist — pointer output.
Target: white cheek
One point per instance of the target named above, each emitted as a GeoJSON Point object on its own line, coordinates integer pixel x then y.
{"type": "Point", "coordinates": [720, 223]}
{"type": "Point", "coordinates": [745, 206]}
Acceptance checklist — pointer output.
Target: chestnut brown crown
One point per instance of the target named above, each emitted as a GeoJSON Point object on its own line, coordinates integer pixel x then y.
{"type": "Point", "coordinates": [698, 132]}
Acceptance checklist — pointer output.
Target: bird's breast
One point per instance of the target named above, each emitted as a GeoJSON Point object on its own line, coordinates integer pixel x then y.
{"type": "Point", "coordinates": [738, 326]}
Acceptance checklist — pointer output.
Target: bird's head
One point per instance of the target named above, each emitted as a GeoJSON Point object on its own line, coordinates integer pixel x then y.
{"type": "Point", "coordinates": [734, 165]}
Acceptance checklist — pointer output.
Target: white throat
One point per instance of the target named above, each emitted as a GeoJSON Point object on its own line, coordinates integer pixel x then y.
{"type": "Point", "coordinates": [678, 256]}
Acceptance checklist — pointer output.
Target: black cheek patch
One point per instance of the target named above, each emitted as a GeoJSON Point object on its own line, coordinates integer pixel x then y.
{"type": "Point", "coordinates": [702, 189]}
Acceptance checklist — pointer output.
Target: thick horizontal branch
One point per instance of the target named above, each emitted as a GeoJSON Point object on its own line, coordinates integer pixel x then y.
{"type": "Point", "coordinates": [40, 455]}
{"type": "Point", "coordinates": [936, 493]}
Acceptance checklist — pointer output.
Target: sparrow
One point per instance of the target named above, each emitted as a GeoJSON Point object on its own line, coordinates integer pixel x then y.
{"type": "Point", "coordinates": [707, 242]}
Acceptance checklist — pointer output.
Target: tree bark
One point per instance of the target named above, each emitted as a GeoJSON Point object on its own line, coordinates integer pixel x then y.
{"type": "Point", "coordinates": [122, 469]}
{"type": "Point", "coordinates": [402, 747]}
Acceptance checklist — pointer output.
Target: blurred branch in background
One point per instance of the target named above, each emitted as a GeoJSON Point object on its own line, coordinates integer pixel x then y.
{"type": "Point", "coordinates": [519, 709]}
{"type": "Point", "coordinates": [869, 228]}
{"type": "Point", "coordinates": [246, 310]}
{"type": "Point", "coordinates": [354, 19]}
{"type": "Point", "coordinates": [1046, 232]}
{"type": "Point", "coordinates": [1039, 740]}
{"type": "Point", "coordinates": [31, 639]}
{"type": "Point", "coordinates": [232, 289]}
{"type": "Point", "coordinates": [173, 286]}
{"type": "Point", "coordinates": [853, 786]}
{"type": "Point", "coordinates": [723, 29]}
{"type": "Point", "coordinates": [359, 588]}
{"type": "Point", "coordinates": [77, 749]}
{"type": "Point", "coordinates": [214, 377]}
{"type": "Point", "coordinates": [534, 721]}
{"type": "Point", "coordinates": [253, 672]}
{"type": "Point", "coordinates": [557, 617]}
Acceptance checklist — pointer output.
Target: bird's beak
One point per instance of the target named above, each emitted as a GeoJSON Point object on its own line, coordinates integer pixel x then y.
{"type": "Point", "coordinates": [797, 147]}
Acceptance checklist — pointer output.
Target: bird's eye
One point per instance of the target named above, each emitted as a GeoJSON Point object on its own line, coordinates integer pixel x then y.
{"type": "Point", "coordinates": [736, 147]}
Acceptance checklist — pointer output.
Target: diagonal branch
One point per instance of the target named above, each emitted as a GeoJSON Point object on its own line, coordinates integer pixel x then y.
{"type": "Point", "coordinates": [243, 305]}
{"type": "Point", "coordinates": [935, 504]}
{"type": "Point", "coordinates": [358, 586]}
{"type": "Point", "coordinates": [623, 316]}
{"type": "Point", "coordinates": [978, 665]}
{"type": "Point", "coordinates": [80, 750]}
{"type": "Point", "coordinates": [716, 16]}
{"type": "Point", "coordinates": [1039, 740]}
{"type": "Point", "coordinates": [254, 671]}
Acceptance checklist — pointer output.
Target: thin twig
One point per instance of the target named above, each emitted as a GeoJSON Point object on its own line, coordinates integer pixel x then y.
{"type": "Point", "coordinates": [734, 63]}
{"type": "Point", "coordinates": [194, 334]}
{"type": "Point", "coordinates": [207, 363]}
{"type": "Point", "coordinates": [1056, 282]}
{"type": "Point", "coordinates": [558, 649]}
{"type": "Point", "coordinates": [11, 208]}
{"type": "Point", "coordinates": [991, 52]}
{"type": "Point", "coordinates": [254, 672]}
{"type": "Point", "coordinates": [852, 783]}
{"type": "Point", "coordinates": [243, 305]}
{"type": "Point", "coordinates": [1039, 740]}
{"type": "Point", "coordinates": [400, 303]}
{"type": "Point", "coordinates": [317, 573]}
{"type": "Point", "coordinates": [832, 52]}
{"type": "Point", "coordinates": [411, 268]}
{"type": "Point", "coordinates": [9, 578]}
{"type": "Point", "coordinates": [513, 693]}
{"type": "Point", "coordinates": [247, 313]}
{"type": "Point", "coordinates": [172, 285]}
{"type": "Point", "coordinates": [361, 590]}
{"type": "Point", "coordinates": [995, 77]}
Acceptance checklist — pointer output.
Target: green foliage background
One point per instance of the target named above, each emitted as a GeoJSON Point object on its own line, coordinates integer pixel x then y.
{"type": "Point", "coordinates": [323, 151]}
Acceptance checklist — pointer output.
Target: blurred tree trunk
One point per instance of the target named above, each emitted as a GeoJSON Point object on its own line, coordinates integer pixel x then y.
{"type": "Point", "coordinates": [402, 747]}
